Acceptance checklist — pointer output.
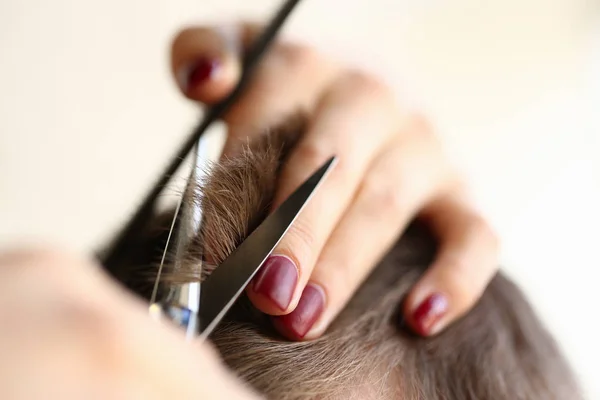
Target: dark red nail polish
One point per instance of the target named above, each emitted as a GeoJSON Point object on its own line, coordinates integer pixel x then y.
{"type": "Point", "coordinates": [429, 312]}
{"type": "Point", "coordinates": [277, 280]}
{"type": "Point", "coordinates": [308, 311]}
{"type": "Point", "coordinates": [202, 71]}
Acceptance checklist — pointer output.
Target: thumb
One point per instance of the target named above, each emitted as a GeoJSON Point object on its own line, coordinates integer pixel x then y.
{"type": "Point", "coordinates": [206, 61]}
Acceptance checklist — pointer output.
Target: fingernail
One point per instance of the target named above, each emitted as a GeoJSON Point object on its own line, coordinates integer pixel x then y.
{"type": "Point", "coordinates": [308, 311]}
{"type": "Point", "coordinates": [277, 280]}
{"type": "Point", "coordinates": [199, 73]}
{"type": "Point", "coordinates": [429, 312]}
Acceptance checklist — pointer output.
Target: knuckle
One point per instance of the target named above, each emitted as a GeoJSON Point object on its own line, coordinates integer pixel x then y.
{"type": "Point", "coordinates": [299, 55]}
{"type": "Point", "coordinates": [345, 276]}
{"type": "Point", "coordinates": [300, 243]}
{"type": "Point", "coordinates": [38, 258]}
{"type": "Point", "coordinates": [422, 126]}
{"type": "Point", "coordinates": [383, 197]}
{"type": "Point", "coordinates": [313, 154]}
{"type": "Point", "coordinates": [366, 84]}
{"type": "Point", "coordinates": [337, 272]}
{"type": "Point", "coordinates": [478, 228]}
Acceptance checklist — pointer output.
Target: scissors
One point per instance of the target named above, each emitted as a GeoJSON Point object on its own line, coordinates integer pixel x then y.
{"type": "Point", "coordinates": [198, 308]}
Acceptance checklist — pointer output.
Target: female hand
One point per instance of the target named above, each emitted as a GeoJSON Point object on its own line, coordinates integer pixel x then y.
{"type": "Point", "coordinates": [69, 333]}
{"type": "Point", "coordinates": [391, 169]}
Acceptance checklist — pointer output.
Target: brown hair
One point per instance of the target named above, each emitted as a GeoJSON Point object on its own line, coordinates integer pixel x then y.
{"type": "Point", "coordinates": [499, 350]}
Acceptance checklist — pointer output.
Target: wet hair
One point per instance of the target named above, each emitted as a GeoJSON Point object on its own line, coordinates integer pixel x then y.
{"type": "Point", "coordinates": [499, 350]}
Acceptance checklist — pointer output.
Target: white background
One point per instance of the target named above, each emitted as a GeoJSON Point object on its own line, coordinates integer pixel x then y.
{"type": "Point", "coordinates": [89, 115]}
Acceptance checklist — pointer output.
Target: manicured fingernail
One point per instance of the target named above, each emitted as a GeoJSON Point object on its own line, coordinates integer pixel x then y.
{"type": "Point", "coordinates": [308, 311]}
{"type": "Point", "coordinates": [277, 280]}
{"type": "Point", "coordinates": [429, 312]}
{"type": "Point", "coordinates": [200, 72]}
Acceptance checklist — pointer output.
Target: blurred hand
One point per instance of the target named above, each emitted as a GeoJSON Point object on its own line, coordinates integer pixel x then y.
{"type": "Point", "coordinates": [391, 169]}
{"type": "Point", "coordinates": [69, 333]}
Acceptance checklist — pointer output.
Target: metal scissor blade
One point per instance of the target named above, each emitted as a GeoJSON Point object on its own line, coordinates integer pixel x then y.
{"type": "Point", "coordinates": [230, 278]}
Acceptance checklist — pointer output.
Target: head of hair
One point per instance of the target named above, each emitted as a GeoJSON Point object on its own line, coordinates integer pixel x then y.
{"type": "Point", "coordinates": [499, 350]}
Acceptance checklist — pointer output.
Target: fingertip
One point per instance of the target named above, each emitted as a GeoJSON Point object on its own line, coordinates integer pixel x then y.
{"type": "Point", "coordinates": [265, 304]}
{"type": "Point", "coordinates": [286, 330]}
{"type": "Point", "coordinates": [272, 289]}
{"type": "Point", "coordinates": [443, 295]}
{"type": "Point", "coordinates": [205, 63]}
{"type": "Point", "coordinates": [428, 315]}
{"type": "Point", "coordinates": [305, 322]}
{"type": "Point", "coordinates": [453, 285]}
{"type": "Point", "coordinates": [209, 78]}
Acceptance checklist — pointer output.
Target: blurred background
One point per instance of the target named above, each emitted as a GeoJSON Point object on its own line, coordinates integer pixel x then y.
{"type": "Point", "coordinates": [89, 115]}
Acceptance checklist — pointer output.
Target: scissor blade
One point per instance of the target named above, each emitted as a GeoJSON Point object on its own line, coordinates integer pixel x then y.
{"type": "Point", "coordinates": [227, 282]}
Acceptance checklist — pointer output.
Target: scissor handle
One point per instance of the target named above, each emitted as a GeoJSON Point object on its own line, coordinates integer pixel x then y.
{"type": "Point", "coordinates": [179, 315]}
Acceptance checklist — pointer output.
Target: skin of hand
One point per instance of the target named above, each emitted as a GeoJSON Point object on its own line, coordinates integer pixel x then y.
{"type": "Point", "coordinates": [391, 169]}
{"type": "Point", "coordinates": [69, 333]}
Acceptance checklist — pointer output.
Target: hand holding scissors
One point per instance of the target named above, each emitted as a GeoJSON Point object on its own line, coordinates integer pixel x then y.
{"type": "Point", "coordinates": [68, 332]}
